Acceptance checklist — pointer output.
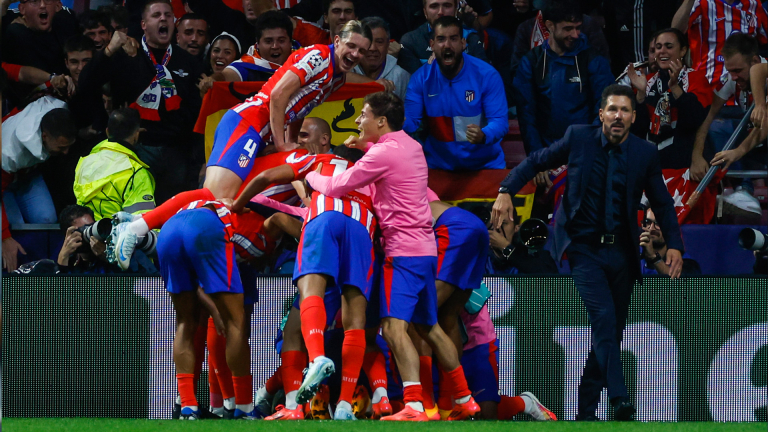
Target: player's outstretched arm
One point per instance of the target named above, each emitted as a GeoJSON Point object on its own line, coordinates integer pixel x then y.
{"type": "Point", "coordinates": [279, 175]}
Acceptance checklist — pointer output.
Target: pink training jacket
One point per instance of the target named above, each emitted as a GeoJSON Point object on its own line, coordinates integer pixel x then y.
{"type": "Point", "coordinates": [397, 168]}
{"type": "Point", "coordinates": [479, 328]}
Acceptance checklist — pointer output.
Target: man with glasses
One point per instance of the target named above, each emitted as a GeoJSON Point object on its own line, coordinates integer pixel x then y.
{"type": "Point", "coordinates": [654, 250]}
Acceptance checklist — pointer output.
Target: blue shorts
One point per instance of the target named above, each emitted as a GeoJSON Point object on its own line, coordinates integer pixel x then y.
{"type": "Point", "coordinates": [408, 289]}
{"type": "Point", "coordinates": [249, 276]}
{"type": "Point", "coordinates": [462, 248]}
{"type": "Point", "coordinates": [338, 246]}
{"type": "Point", "coordinates": [193, 249]}
{"type": "Point", "coordinates": [235, 145]}
{"type": "Point", "coordinates": [481, 367]}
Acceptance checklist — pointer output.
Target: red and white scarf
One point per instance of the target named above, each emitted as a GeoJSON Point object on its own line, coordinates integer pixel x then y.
{"type": "Point", "coordinates": [540, 32]}
{"type": "Point", "coordinates": [161, 87]}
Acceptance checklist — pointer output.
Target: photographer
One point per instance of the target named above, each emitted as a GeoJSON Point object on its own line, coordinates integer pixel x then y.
{"type": "Point", "coordinates": [654, 250]}
{"type": "Point", "coordinates": [84, 245]}
{"type": "Point", "coordinates": [510, 256]}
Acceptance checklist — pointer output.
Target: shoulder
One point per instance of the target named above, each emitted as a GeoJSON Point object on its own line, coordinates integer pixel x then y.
{"type": "Point", "coordinates": [414, 35]}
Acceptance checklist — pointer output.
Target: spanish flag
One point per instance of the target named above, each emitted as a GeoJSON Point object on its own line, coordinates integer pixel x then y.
{"type": "Point", "coordinates": [340, 109]}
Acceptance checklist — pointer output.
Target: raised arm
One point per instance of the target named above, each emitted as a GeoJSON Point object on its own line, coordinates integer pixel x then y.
{"type": "Point", "coordinates": [367, 170]}
{"type": "Point", "coordinates": [699, 165]}
{"type": "Point", "coordinates": [282, 174]}
{"type": "Point", "coordinates": [680, 20]}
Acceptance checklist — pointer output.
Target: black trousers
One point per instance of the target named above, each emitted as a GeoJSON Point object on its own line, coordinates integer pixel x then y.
{"type": "Point", "coordinates": [604, 279]}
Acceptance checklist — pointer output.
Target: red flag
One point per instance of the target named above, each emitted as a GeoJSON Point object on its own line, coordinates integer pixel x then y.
{"type": "Point", "coordinates": [681, 187]}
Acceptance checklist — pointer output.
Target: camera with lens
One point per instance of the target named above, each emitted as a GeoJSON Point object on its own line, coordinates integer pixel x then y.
{"type": "Point", "coordinates": [754, 240]}
{"type": "Point", "coordinates": [99, 230]}
{"type": "Point", "coordinates": [533, 234]}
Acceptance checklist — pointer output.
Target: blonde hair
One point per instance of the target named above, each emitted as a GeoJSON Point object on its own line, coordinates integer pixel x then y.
{"type": "Point", "coordinates": [355, 26]}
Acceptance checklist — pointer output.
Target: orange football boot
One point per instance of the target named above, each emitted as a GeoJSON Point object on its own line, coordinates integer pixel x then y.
{"type": "Point", "coordinates": [464, 411]}
{"type": "Point", "coordinates": [382, 409]}
{"type": "Point", "coordinates": [407, 414]}
{"type": "Point", "coordinates": [283, 413]}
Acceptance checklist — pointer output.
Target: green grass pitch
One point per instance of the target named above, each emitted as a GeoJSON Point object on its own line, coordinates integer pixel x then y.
{"type": "Point", "coordinates": [91, 424]}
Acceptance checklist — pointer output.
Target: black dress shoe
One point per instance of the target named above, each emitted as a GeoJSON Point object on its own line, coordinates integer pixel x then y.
{"type": "Point", "coordinates": [587, 417]}
{"type": "Point", "coordinates": [624, 411]}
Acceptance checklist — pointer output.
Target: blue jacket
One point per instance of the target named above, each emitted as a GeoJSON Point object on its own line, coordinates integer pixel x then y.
{"type": "Point", "coordinates": [447, 107]}
{"type": "Point", "coordinates": [573, 81]}
{"type": "Point", "coordinates": [577, 149]}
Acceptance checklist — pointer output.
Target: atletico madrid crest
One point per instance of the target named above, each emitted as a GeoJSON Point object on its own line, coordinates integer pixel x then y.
{"type": "Point", "coordinates": [469, 95]}
{"type": "Point", "coordinates": [243, 161]}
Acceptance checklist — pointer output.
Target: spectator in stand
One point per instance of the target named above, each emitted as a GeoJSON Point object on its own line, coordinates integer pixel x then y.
{"type": "Point", "coordinates": [32, 41]}
{"type": "Point", "coordinates": [533, 32]}
{"type": "Point", "coordinates": [510, 256]}
{"type": "Point", "coordinates": [710, 22]}
{"type": "Point", "coordinates": [462, 102]}
{"type": "Point", "coordinates": [120, 19]}
{"type": "Point", "coordinates": [670, 102]}
{"type": "Point", "coordinates": [79, 52]}
{"type": "Point", "coordinates": [225, 49]}
{"type": "Point", "coordinates": [192, 34]}
{"type": "Point", "coordinates": [272, 48]}
{"type": "Point", "coordinates": [161, 83]}
{"type": "Point", "coordinates": [740, 52]}
{"type": "Point", "coordinates": [336, 13]}
{"type": "Point", "coordinates": [112, 178]}
{"type": "Point", "coordinates": [641, 68]}
{"type": "Point", "coordinates": [221, 18]}
{"type": "Point", "coordinates": [653, 249]}
{"type": "Point", "coordinates": [559, 83]}
{"type": "Point", "coordinates": [377, 64]}
{"type": "Point", "coordinates": [416, 45]}
{"type": "Point", "coordinates": [98, 27]}
{"type": "Point", "coordinates": [44, 128]}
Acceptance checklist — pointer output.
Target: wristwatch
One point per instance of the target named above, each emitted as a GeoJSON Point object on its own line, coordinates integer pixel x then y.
{"type": "Point", "coordinates": [503, 189]}
{"type": "Point", "coordinates": [650, 263]}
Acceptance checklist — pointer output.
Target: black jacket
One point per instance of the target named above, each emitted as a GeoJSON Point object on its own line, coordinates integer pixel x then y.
{"type": "Point", "coordinates": [130, 76]}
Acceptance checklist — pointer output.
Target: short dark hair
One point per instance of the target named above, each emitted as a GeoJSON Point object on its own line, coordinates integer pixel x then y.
{"type": "Point", "coordinates": [327, 5]}
{"type": "Point", "coordinates": [273, 20]}
{"type": "Point", "coordinates": [617, 90]}
{"type": "Point", "coordinates": [72, 212]}
{"type": "Point", "coordinates": [192, 16]}
{"type": "Point", "coordinates": [740, 43]}
{"type": "Point", "coordinates": [682, 38]}
{"type": "Point", "coordinates": [123, 123]}
{"type": "Point", "coordinates": [387, 105]}
{"type": "Point", "coordinates": [79, 43]}
{"type": "Point", "coordinates": [149, 3]}
{"type": "Point", "coordinates": [445, 22]}
{"type": "Point", "coordinates": [559, 11]}
{"type": "Point", "coordinates": [92, 19]}
{"type": "Point", "coordinates": [58, 123]}
{"type": "Point", "coordinates": [375, 22]}
{"type": "Point", "coordinates": [424, 3]}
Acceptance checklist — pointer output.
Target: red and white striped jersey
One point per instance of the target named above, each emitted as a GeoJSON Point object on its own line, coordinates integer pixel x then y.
{"type": "Point", "coordinates": [710, 24]}
{"type": "Point", "coordinates": [315, 67]}
{"type": "Point", "coordinates": [283, 193]}
{"type": "Point", "coordinates": [243, 230]}
{"type": "Point", "coordinates": [356, 204]}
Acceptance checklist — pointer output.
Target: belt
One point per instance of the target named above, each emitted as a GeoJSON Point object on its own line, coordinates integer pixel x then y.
{"type": "Point", "coordinates": [600, 240]}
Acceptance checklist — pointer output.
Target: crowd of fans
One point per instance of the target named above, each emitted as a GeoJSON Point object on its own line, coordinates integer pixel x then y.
{"type": "Point", "coordinates": [100, 106]}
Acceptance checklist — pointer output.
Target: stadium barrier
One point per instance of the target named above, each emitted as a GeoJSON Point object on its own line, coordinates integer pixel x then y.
{"type": "Point", "coordinates": [694, 350]}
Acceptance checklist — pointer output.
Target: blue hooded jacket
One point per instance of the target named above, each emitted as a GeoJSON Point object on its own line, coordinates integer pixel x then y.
{"type": "Point", "coordinates": [553, 92]}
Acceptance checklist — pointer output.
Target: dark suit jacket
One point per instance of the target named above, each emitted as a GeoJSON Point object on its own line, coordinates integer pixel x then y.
{"type": "Point", "coordinates": [577, 149]}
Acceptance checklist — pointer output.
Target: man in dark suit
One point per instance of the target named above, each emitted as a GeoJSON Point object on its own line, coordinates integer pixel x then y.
{"type": "Point", "coordinates": [608, 170]}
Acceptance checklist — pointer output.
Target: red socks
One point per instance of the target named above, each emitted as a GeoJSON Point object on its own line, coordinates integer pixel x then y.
{"type": "Point", "coordinates": [186, 385]}
{"type": "Point", "coordinates": [412, 393]}
{"type": "Point", "coordinates": [275, 382]}
{"type": "Point", "coordinates": [510, 407]}
{"type": "Point", "coordinates": [313, 325]}
{"type": "Point", "coordinates": [243, 389]}
{"type": "Point", "coordinates": [217, 358]}
{"type": "Point", "coordinates": [157, 217]}
{"type": "Point", "coordinates": [352, 353]}
{"type": "Point", "coordinates": [444, 400]}
{"type": "Point", "coordinates": [375, 367]}
{"type": "Point", "coordinates": [427, 385]}
{"type": "Point", "coordinates": [293, 363]}
{"type": "Point", "coordinates": [457, 382]}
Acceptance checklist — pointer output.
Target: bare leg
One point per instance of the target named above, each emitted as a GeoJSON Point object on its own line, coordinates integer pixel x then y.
{"type": "Point", "coordinates": [451, 301]}
{"type": "Point", "coordinates": [280, 223]}
{"type": "Point", "coordinates": [187, 316]}
{"type": "Point", "coordinates": [230, 307]}
{"type": "Point", "coordinates": [292, 340]}
{"type": "Point", "coordinates": [222, 182]}
{"type": "Point", "coordinates": [406, 357]}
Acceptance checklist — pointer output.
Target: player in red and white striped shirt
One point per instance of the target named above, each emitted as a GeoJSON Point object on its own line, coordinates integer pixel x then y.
{"type": "Point", "coordinates": [335, 253]}
{"type": "Point", "coordinates": [710, 22]}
